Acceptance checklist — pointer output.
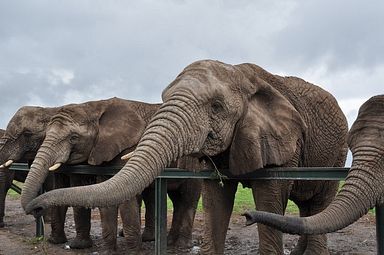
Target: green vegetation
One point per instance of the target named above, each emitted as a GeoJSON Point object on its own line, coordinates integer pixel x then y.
{"type": "Point", "coordinates": [35, 240]}
{"type": "Point", "coordinates": [243, 202]}
{"type": "Point", "coordinates": [12, 193]}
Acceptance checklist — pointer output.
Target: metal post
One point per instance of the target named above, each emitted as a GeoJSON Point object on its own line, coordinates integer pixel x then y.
{"type": "Point", "coordinates": [380, 228]}
{"type": "Point", "coordinates": [39, 222]}
{"type": "Point", "coordinates": [161, 216]}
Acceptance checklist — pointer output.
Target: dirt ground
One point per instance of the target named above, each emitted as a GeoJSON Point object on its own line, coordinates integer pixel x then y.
{"type": "Point", "coordinates": [18, 237]}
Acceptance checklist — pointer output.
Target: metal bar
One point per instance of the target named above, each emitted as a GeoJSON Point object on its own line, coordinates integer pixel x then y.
{"type": "Point", "coordinates": [16, 188]}
{"type": "Point", "coordinates": [292, 173]}
{"type": "Point", "coordinates": [301, 173]}
{"type": "Point", "coordinates": [380, 228]}
{"type": "Point", "coordinates": [161, 216]}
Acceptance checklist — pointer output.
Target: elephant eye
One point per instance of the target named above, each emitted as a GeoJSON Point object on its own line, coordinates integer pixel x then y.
{"type": "Point", "coordinates": [27, 133]}
{"type": "Point", "coordinates": [74, 138]}
{"type": "Point", "coordinates": [217, 107]}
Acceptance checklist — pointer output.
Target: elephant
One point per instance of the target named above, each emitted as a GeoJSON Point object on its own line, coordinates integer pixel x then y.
{"type": "Point", "coordinates": [241, 118]}
{"type": "Point", "coordinates": [363, 187]}
{"type": "Point", "coordinates": [96, 133]}
{"type": "Point", "coordinates": [19, 142]}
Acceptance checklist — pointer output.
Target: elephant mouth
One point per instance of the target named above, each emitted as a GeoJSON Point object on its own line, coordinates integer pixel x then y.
{"type": "Point", "coordinates": [213, 144]}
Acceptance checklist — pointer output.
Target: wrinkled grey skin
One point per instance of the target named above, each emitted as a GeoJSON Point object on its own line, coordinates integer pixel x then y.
{"type": "Point", "coordinates": [96, 133]}
{"type": "Point", "coordinates": [244, 118]}
{"type": "Point", "coordinates": [20, 142]}
{"type": "Point", "coordinates": [363, 188]}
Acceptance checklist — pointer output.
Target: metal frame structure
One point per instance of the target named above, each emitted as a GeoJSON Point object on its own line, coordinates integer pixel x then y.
{"type": "Point", "coordinates": [302, 173]}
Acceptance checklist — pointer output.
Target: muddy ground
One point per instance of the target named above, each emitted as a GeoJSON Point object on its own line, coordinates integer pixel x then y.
{"type": "Point", "coordinates": [18, 236]}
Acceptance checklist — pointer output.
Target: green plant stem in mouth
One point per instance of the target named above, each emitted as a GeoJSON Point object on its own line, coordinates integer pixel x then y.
{"type": "Point", "coordinates": [217, 173]}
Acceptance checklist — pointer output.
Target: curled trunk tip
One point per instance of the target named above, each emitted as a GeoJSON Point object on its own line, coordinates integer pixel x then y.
{"type": "Point", "coordinates": [287, 224]}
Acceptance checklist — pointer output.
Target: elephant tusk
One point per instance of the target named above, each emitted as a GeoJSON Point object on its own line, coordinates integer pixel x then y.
{"type": "Point", "coordinates": [54, 167]}
{"type": "Point", "coordinates": [7, 164]}
{"type": "Point", "coordinates": [127, 156]}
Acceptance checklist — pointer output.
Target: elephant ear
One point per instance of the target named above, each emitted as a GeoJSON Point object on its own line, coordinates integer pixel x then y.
{"type": "Point", "coordinates": [119, 128]}
{"type": "Point", "coordinates": [268, 133]}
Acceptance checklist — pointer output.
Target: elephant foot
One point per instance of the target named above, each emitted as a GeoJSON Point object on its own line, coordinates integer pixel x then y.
{"type": "Point", "coordinates": [133, 248]}
{"type": "Point", "coordinates": [300, 247]}
{"type": "Point", "coordinates": [57, 239]}
{"type": "Point", "coordinates": [81, 243]}
{"type": "Point", "coordinates": [179, 241]}
{"type": "Point", "coordinates": [316, 245]}
{"type": "Point", "coordinates": [110, 252]}
{"type": "Point", "coordinates": [296, 251]}
{"type": "Point", "coordinates": [148, 236]}
{"type": "Point", "coordinates": [316, 252]}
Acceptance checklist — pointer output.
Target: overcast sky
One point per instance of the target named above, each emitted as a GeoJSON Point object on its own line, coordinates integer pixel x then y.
{"type": "Point", "coordinates": [58, 52]}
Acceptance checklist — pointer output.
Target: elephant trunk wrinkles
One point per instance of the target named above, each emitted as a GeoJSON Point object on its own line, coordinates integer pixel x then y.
{"type": "Point", "coordinates": [169, 136]}
{"type": "Point", "coordinates": [360, 192]}
{"type": "Point", "coordinates": [4, 178]}
{"type": "Point", "coordinates": [38, 172]}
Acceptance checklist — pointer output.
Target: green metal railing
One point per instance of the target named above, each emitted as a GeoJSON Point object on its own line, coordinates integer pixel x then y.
{"type": "Point", "coordinates": [302, 173]}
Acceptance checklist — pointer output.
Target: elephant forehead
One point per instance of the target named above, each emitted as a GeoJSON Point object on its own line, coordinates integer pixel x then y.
{"type": "Point", "coordinates": [205, 90]}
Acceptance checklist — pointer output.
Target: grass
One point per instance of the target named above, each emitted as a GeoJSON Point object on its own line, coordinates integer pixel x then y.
{"type": "Point", "coordinates": [243, 202]}
{"type": "Point", "coordinates": [12, 193]}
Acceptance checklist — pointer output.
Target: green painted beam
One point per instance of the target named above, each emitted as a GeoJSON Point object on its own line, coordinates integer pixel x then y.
{"type": "Point", "coordinates": [301, 173]}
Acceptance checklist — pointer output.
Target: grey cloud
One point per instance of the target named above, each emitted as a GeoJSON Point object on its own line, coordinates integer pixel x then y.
{"type": "Point", "coordinates": [133, 49]}
{"type": "Point", "coordinates": [345, 34]}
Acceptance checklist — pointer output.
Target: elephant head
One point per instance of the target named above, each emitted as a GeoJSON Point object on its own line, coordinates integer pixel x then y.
{"type": "Point", "coordinates": [2, 132]}
{"type": "Point", "coordinates": [92, 132]}
{"type": "Point", "coordinates": [24, 134]}
{"type": "Point", "coordinates": [210, 108]}
{"type": "Point", "coordinates": [363, 187]}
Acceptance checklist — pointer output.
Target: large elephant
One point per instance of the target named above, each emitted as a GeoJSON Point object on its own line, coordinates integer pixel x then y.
{"type": "Point", "coordinates": [96, 133]}
{"type": "Point", "coordinates": [363, 187]}
{"type": "Point", "coordinates": [19, 142]}
{"type": "Point", "coordinates": [244, 119]}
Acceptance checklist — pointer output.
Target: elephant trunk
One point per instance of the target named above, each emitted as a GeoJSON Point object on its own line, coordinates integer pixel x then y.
{"type": "Point", "coordinates": [170, 135]}
{"type": "Point", "coordinates": [45, 158]}
{"type": "Point", "coordinates": [5, 180]}
{"type": "Point", "coordinates": [361, 191]}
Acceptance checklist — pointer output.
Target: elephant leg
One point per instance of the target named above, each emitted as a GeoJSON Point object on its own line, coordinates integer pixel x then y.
{"type": "Point", "coordinates": [270, 196]}
{"type": "Point", "coordinates": [218, 206]}
{"type": "Point", "coordinates": [185, 200]}
{"type": "Point", "coordinates": [49, 184]}
{"type": "Point", "coordinates": [325, 193]}
{"type": "Point", "coordinates": [6, 178]}
{"type": "Point", "coordinates": [149, 202]}
{"type": "Point", "coordinates": [130, 214]}
{"type": "Point", "coordinates": [82, 217]}
{"type": "Point", "coordinates": [57, 224]}
{"type": "Point", "coordinates": [58, 213]}
{"type": "Point", "coordinates": [301, 245]}
{"type": "Point", "coordinates": [109, 226]}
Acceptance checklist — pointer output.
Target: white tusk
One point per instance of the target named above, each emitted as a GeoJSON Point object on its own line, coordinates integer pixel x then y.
{"type": "Point", "coordinates": [54, 167]}
{"type": "Point", "coordinates": [7, 164]}
{"type": "Point", "coordinates": [127, 156]}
